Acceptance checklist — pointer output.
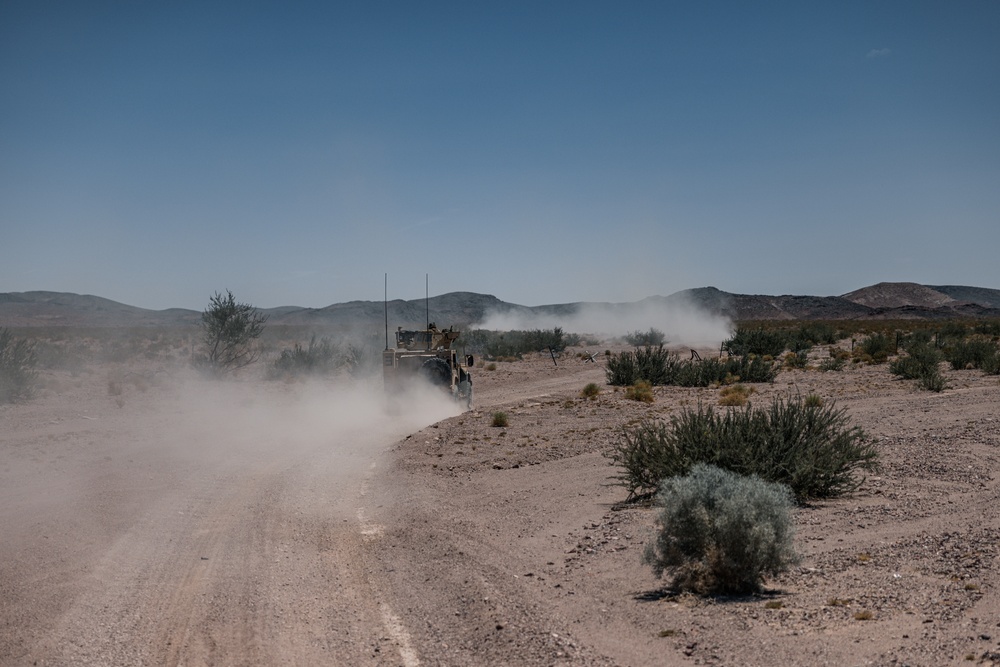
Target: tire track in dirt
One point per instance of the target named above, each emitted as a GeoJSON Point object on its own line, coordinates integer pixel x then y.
{"type": "Point", "coordinates": [394, 627]}
{"type": "Point", "coordinates": [251, 562]}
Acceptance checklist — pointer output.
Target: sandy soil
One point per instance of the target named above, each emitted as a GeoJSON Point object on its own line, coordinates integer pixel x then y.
{"type": "Point", "coordinates": [149, 517]}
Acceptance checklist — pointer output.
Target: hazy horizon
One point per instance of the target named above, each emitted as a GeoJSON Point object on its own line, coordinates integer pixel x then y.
{"type": "Point", "coordinates": [543, 153]}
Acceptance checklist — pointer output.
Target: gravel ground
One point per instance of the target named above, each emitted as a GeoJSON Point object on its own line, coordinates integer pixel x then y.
{"type": "Point", "coordinates": [903, 571]}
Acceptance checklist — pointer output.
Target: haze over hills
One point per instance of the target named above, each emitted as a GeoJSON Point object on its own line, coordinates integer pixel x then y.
{"type": "Point", "coordinates": [464, 309]}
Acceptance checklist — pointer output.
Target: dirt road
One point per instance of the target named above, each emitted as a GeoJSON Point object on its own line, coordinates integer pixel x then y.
{"type": "Point", "coordinates": [184, 523]}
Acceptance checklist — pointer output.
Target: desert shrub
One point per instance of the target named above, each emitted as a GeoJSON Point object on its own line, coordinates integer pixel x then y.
{"type": "Point", "coordinates": [499, 419]}
{"type": "Point", "coordinates": [812, 449]}
{"type": "Point", "coordinates": [950, 333]}
{"type": "Point", "coordinates": [649, 363]}
{"type": "Point", "coordinates": [705, 372]}
{"type": "Point", "coordinates": [813, 401]}
{"type": "Point", "coordinates": [69, 356]}
{"type": "Point", "coordinates": [831, 364]}
{"type": "Point", "coordinates": [659, 367]}
{"type": "Point", "coordinates": [230, 331]}
{"type": "Point", "coordinates": [699, 373]}
{"type": "Point", "coordinates": [514, 344]}
{"type": "Point", "coordinates": [640, 391]}
{"type": "Point", "coordinates": [932, 380]}
{"type": "Point", "coordinates": [920, 363]}
{"type": "Point", "coordinates": [622, 369]}
{"type": "Point", "coordinates": [836, 360]}
{"type": "Point", "coordinates": [798, 360]}
{"type": "Point", "coordinates": [590, 390]}
{"type": "Point", "coordinates": [758, 341]}
{"type": "Point", "coordinates": [972, 353]}
{"type": "Point", "coordinates": [920, 359]}
{"type": "Point", "coordinates": [991, 366]}
{"type": "Point", "coordinates": [987, 328]}
{"type": "Point", "coordinates": [320, 358]}
{"type": "Point", "coordinates": [720, 532]}
{"type": "Point", "coordinates": [877, 347]}
{"type": "Point", "coordinates": [735, 395]}
{"type": "Point", "coordinates": [916, 338]}
{"type": "Point", "coordinates": [755, 369]}
{"type": "Point", "coordinates": [491, 366]}
{"type": "Point", "coordinates": [810, 334]}
{"type": "Point", "coordinates": [645, 338]}
{"type": "Point", "coordinates": [362, 358]}
{"type": "Point", "coordinates": [18, 362]}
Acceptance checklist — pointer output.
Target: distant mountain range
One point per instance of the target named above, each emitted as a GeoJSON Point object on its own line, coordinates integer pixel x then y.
{"type": "Point", "coordinates": [881, 301]}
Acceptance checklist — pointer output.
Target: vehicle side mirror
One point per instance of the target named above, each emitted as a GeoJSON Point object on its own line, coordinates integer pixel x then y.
{"type": "Point", "coordinates": [469, 361]}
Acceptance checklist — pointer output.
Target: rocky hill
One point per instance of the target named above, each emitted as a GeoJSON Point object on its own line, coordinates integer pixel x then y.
{"type": "Point", "coordinates": [33, 309]}
{"type": "Point", "coordinates": [881, 301]}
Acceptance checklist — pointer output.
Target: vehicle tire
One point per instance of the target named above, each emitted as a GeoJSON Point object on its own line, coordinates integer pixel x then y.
{"type": "Point", "coordinates": [437, 372]}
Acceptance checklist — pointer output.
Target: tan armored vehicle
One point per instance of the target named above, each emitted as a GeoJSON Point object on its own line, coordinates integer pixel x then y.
{"type": "Point", "coordinates": [427, 354]}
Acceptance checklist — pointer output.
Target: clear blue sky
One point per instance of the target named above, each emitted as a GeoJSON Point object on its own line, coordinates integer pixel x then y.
{"type": "Point", "coordinates": [544, 152]}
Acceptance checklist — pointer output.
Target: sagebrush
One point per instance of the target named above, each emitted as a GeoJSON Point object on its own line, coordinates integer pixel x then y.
{"type": "Point", "coordinates": [720, 532]}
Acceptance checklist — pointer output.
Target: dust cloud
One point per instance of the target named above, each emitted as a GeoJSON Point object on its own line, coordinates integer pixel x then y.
{"type": "Point", "coordinates": [102, 457]}
{"type": "Point", "coordinates": [107, 485]}
{"type": "Point", "coordinates": [683, 322]}
{"type": "Point", "coordinates": [278, 421]}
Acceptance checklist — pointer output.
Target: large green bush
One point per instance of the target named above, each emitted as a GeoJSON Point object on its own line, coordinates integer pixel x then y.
{"type": "Point", "coordinates": [654, 364]}
{"type": "Point", "coordinates": [773, 341]}
{"type": "Point", "coordinates": [659, 367]}
{"type": "Point", "coordinates": [920, 363]}
{"type": "Point", "coordinates": [878, 346]}
{"type": "Point", "coordinates": [501, 344]}
{"type": "Point", "coordinates": [720, 532]}
{"type": "Point", "coordinates": [975, 352]}
{"type": "Point", "coordinates": [813, 449]}
{"type": "Point", "coordinates": [919, 360]}
{"type": "Point", "coordinates": [809, 334]}
{"type": "Point", "coordinates": [760, 341]}
{"type": "Point", "coordinates": [17, 367]}
{"type": "Point", "coordinates": [645, 338]}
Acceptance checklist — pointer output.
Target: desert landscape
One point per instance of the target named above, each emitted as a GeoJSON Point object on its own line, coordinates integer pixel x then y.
{"type": "Point", "coordinates": [151, 515]}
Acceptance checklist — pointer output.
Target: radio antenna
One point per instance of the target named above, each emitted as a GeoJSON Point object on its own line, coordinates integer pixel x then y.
{"type": "Point", "coordinates": [385, 304]}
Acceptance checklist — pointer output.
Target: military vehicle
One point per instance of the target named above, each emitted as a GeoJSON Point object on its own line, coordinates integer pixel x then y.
{"type": "Point", "coordinates": [427, 354]}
